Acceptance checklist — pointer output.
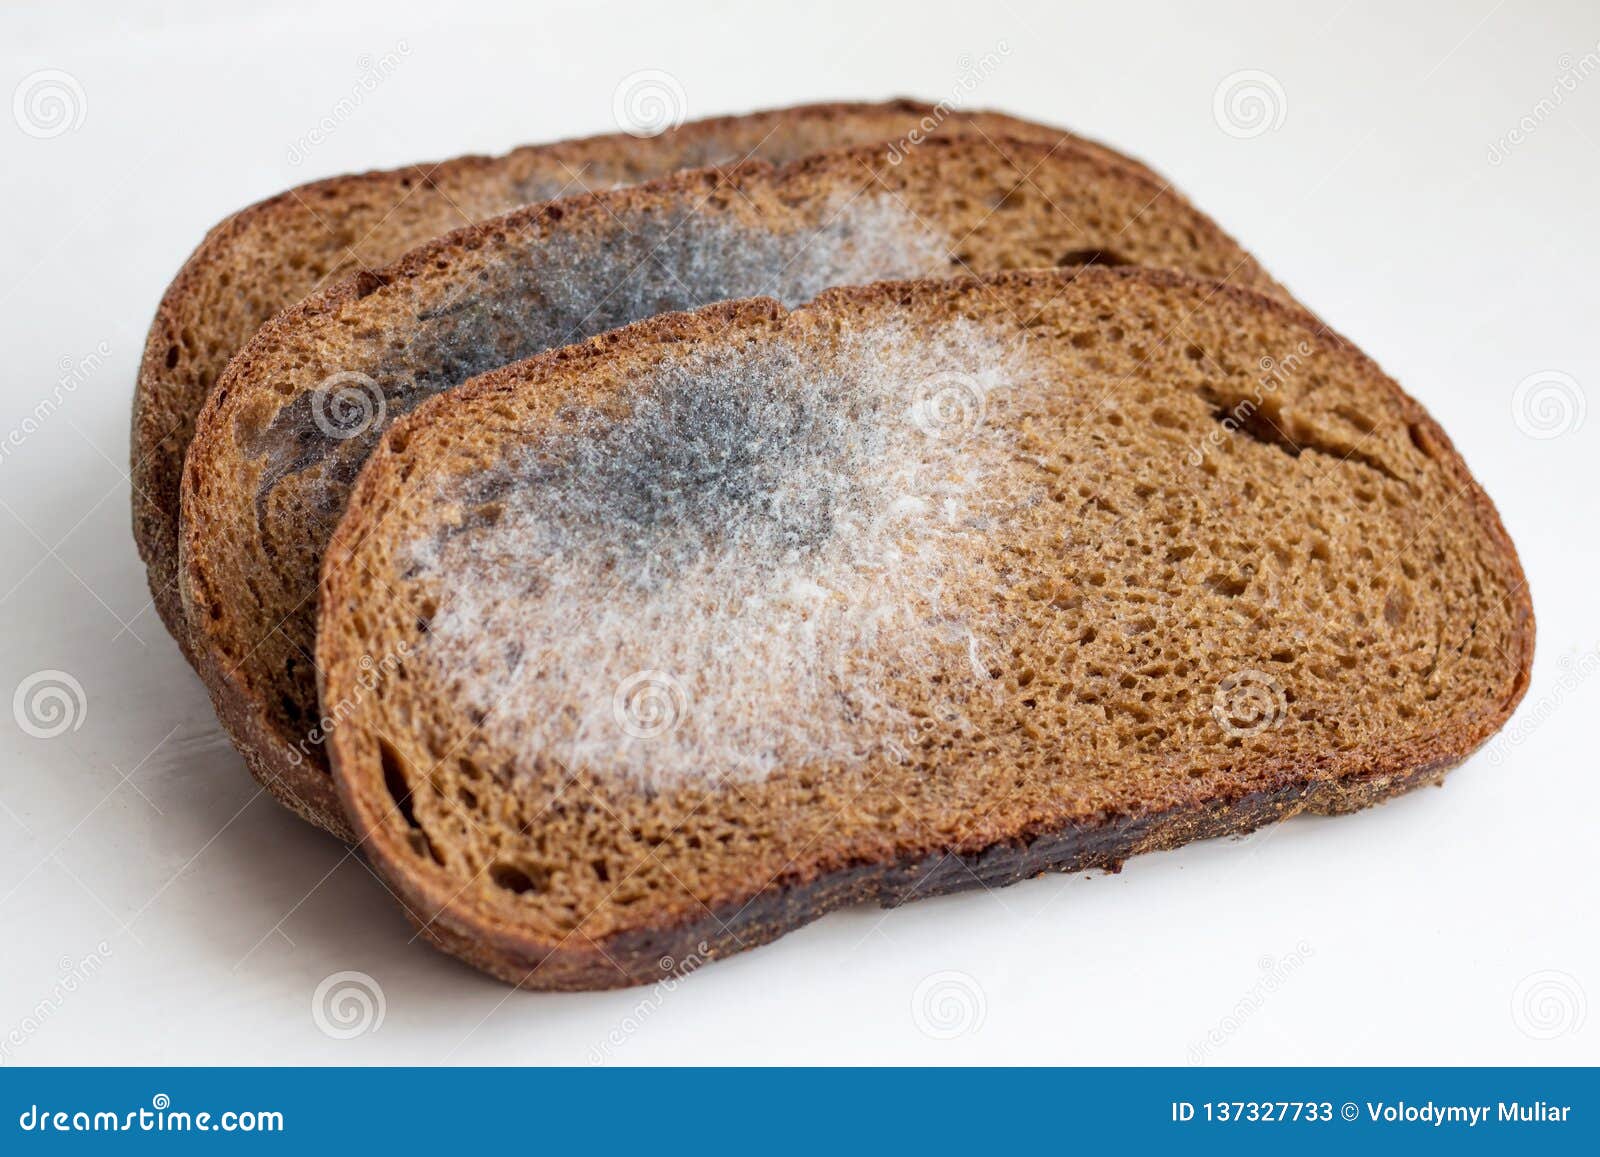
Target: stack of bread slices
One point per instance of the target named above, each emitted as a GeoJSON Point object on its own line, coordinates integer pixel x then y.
{"type": "Point", "coordinates": [639, 547]}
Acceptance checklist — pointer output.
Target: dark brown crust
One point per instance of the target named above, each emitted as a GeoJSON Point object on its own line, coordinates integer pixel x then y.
{"type": "Point", "coordinates": [157, 459]}
{"type": "Point", "coordinates": [1333, 785]}
{"type": "Point", "coordinates": [652, 954]}
{"type": "Point", "coordinates": [303, 787]}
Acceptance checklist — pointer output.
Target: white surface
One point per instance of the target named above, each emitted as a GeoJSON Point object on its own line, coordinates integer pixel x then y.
{"type": "Point", "coordinates": [1421, 922]}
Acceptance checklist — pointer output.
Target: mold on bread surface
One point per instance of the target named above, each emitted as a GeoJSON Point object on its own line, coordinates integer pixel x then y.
{"type": "Point", "coordinates": [270, 255]}
{"type": "Point", "coordinates": [571, 286]}
{"type": "Point", "coordinates": [752, 533]}
{"type": "Point", "coordinates": [301, 407]}
{"type": "Point", "coordinates": [720, 621]}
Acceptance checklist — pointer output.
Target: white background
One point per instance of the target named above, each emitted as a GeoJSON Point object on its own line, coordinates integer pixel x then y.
{"type": "Point", "coordinates": [1451, 926]}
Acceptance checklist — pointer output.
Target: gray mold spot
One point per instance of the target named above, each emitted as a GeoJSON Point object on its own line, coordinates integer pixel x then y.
{"type": "Point", "coordinates": [549, 292]}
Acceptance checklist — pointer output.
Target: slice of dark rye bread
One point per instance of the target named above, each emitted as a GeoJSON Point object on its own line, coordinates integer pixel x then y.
{"type": "Point", "coordinates": [266, 257]}
{"type": "Point", "coordinates": [659, 646]}
{"type": "Point", "coordinates": [297, 411]}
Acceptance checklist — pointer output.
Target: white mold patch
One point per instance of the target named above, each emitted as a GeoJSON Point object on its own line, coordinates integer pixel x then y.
{"type": "Point", "coordinates": [767, 549]}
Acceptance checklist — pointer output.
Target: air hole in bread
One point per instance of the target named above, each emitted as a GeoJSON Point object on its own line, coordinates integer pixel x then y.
{"type": "Point", "coordinates": [1255, 421]}
{"type": "Point", "coordinates": [366, 283]}
{"type": "Point", "coordinates": [1092, 257]}
{"type": "Point", "coordinates": [1229, 586]}
{"type": "Point", "coordinates": [394, 781]}
{"type": "Point", "coordinates": [1262, 420]}
{"type": "Point", "coordinates": [512, 878]}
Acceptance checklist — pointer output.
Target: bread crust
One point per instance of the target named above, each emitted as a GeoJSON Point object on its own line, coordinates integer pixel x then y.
{"type": "Point", "coordinates": [183, 357]}
{"type": "Point", "coordinates": [746, 914]}
{"type": "Point", "coordinates": [650, 955]}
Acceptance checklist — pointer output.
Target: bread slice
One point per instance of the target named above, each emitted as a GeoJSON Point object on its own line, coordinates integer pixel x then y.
{"type": "Point", "coordinates": [267, 257]}
{"type": "Point", "coordinates": [298, 410]}
{"type": "Point", "coordinates": [665, 644]}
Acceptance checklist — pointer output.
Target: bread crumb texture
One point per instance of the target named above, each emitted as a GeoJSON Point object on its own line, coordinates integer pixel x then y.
{"type": "Point", "coordinates": [722, 607]}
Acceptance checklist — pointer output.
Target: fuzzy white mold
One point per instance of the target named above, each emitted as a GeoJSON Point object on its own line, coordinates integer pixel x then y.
{"type": "Point", "coordinates": [733, 577]}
